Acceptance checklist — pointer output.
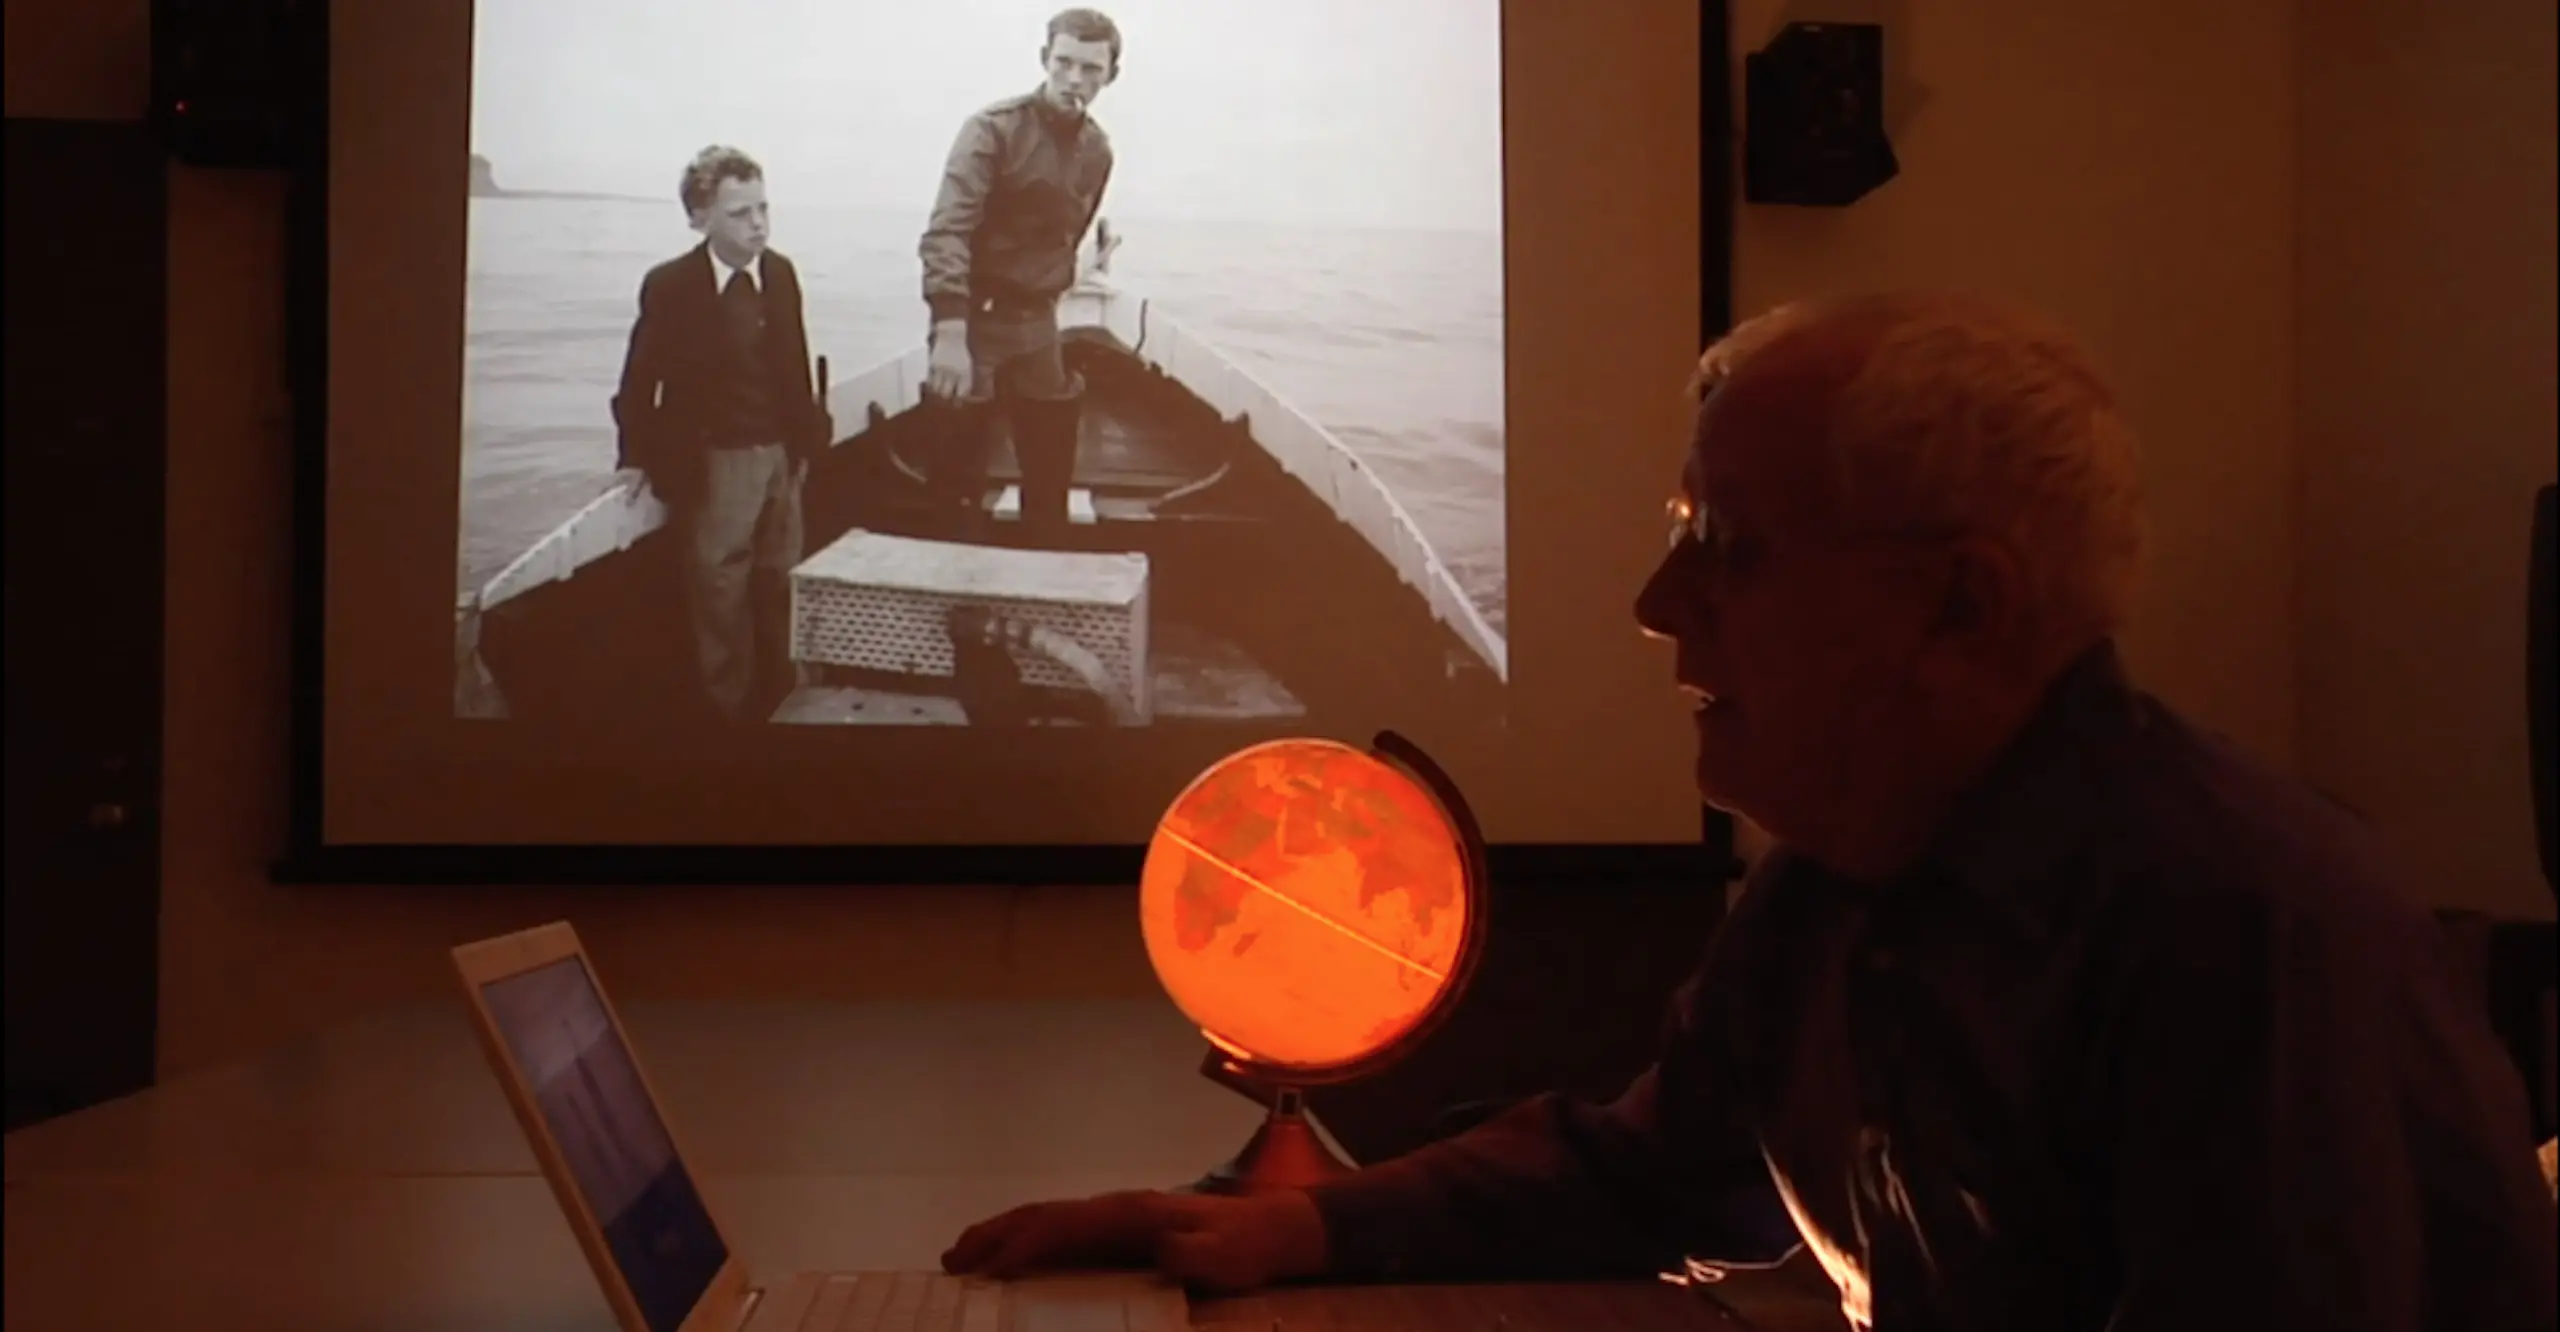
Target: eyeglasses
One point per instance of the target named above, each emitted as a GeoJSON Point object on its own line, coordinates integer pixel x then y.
{"type": "Point", "coordinates": [1695, 523]}
{"type": "Point", "coordinates": [1700, 529]}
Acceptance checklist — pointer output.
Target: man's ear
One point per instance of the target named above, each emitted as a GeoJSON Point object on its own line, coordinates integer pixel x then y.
{"type": "Point", "coordinates": [1984, 597]}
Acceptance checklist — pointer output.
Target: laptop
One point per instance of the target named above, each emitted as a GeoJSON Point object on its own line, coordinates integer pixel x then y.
{"type": "Point", "coordinates": [638, 1209]}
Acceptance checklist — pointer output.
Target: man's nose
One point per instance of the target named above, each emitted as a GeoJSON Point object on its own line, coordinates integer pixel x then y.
{"type": "Point", "coordinates": [1673, 604]}
{"type": "Point", "coordinates": [1656, 608]}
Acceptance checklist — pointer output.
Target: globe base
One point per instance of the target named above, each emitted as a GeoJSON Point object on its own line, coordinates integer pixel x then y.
{"type": "Point", "coordinates": [1285, 1153]}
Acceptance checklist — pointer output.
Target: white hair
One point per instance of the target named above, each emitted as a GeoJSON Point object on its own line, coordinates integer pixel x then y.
{"type": "Point", "coordinates": [1966, 415]}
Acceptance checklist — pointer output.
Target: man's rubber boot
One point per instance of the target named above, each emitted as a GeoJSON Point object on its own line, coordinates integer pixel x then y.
{"type": "Point", "coordinates": [1045, 435]}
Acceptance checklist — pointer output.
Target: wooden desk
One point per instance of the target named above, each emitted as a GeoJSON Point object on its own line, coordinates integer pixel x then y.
{"type": "Point", "coordinates": [374, 1178]}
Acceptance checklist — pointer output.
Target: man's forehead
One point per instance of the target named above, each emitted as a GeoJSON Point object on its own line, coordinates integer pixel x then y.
{"type": "Point", "coordinates": [1757, 437]}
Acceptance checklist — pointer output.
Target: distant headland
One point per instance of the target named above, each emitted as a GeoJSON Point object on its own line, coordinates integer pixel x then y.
{"type": "Point", "coordinates": [484, 185]}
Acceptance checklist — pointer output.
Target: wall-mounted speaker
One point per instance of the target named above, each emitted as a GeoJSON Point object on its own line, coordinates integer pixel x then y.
{"type": "Point", "coordinates": [1813, 103]}
{"type": "Point", "coordinates": [240, 83]}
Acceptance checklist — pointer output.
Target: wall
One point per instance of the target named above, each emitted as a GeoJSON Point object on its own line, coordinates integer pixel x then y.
{"type": "Point", "coordinates": [2115, 167]}
{"type": "Point", "coordinates": [2119, 170]}
{"type": "Point", "coordinates": [2426, 422]}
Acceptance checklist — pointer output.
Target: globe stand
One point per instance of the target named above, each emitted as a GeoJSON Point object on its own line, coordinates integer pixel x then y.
{"type": "Point", "coordinates": [1286, 1152]}
{"type": "Point", "coordinates": [1290, 1149]}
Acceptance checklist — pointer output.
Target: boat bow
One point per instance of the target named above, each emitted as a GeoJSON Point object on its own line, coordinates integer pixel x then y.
{"type": "Point", "coordinates": [1311, 454]}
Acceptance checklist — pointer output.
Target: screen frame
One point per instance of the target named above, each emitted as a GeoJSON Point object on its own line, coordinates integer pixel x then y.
{"type": "Point", "coordinates": [308, 857]}
{"type": "Point", "coordinates": [486, 961]}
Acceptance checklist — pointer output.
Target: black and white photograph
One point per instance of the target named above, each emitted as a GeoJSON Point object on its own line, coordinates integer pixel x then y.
{"type": "Point", "coordinates": [983, 363]}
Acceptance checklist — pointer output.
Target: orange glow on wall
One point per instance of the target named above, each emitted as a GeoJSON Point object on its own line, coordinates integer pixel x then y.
{"type": "Point", "coordinates": [1304, 902]}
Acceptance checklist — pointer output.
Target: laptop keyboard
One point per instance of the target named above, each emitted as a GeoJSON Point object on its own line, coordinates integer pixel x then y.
{"type": "Point", "coordinates": [904, 1302]}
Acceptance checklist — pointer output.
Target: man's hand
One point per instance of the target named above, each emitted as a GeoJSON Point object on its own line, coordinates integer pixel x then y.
{"type": "Point", "coordinates": [1214, 1245]}
{"type": "Point", "coordinates": [947, 366]}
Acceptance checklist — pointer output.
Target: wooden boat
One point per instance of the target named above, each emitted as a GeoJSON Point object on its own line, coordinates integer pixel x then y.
{"type": "Point", "coordinates": [1281, 579]}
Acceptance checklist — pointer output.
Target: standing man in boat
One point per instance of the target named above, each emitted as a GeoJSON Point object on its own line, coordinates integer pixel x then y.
{"type": "Point", "coordinates": [716, 414]}
{"type": "Point", "coordinates": [1019, 192]}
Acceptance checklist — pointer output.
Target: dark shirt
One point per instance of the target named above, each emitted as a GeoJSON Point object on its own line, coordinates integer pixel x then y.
{"type": "Point", "coordinates": [2151, 1042]}
{"type": "Point", "coordinates": [1018, 193]}
{"type": "Point", "coordinates": [750, 416]}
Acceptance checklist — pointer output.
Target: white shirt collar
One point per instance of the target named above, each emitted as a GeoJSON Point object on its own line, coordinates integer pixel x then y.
{"type": "Point", "coordinates": [721, 269]}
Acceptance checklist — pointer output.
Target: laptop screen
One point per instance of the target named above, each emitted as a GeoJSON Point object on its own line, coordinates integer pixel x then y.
{"type": "Point", "coordinates": [619, 1153]}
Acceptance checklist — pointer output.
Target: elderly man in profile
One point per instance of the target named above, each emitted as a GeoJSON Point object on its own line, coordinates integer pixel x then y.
{"type": "Point", "coordinates": [2049, 1010]}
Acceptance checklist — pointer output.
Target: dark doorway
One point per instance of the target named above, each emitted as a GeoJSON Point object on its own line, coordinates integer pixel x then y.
{"type": "Point", "coordinates": [87, 453]}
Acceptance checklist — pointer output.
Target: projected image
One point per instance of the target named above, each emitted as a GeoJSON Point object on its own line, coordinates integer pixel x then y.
{"type": "Point", "coordinates": [982, 363]}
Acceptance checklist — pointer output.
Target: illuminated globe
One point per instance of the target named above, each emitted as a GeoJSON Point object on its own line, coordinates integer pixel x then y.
{"type": "Point", "coordinates": [1313, 908]}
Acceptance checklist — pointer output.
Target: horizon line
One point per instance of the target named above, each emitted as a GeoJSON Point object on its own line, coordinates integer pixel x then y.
{"type": "Point", "coordinates": [1495, 231]}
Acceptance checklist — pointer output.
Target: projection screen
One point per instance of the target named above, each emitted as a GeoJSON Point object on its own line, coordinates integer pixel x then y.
{"type": "Point", "coordinates": [878, 422]}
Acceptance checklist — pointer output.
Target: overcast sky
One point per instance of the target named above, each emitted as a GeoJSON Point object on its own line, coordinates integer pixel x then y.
{"type": "Point", "coordinates": [1370, 112]}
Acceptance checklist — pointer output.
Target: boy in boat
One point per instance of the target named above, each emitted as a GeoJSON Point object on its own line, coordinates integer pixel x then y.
{"type": "Point", "coordinates": [1020, 191]}
{"type": "Point", "coordinates": [717, 415]}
